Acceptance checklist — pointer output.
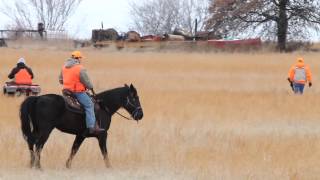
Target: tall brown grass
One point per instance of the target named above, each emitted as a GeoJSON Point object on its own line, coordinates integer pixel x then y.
{"type": "Point", "coordinates": [207, 116]}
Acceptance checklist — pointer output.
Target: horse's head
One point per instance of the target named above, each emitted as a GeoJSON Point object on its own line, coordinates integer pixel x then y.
{"type": "Point", "coordinates": [132, 103]}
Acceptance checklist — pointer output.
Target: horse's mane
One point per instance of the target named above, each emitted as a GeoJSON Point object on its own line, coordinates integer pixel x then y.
{"type": "Point", "coordinates": [112, 92]}
{"type": "Point", "coordinates": [113, 96]}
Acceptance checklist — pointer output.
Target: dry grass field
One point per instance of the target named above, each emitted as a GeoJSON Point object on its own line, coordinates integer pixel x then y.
{"type": "Point", "coordinates": [207, 116]}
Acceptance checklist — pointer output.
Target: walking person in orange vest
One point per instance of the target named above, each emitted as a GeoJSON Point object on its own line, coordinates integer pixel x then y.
{"type": "Point", "coordinates": [75, 79]}
{"type": "Point", "coordinates": [299, 74]}
{"type": "Point", "coordinates": [21, 74]}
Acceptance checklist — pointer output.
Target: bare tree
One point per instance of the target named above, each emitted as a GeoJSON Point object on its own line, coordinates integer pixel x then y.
{"type": "Point", "coordinates": [278, 19]}
{"type": "Point", "coordinates": [192, 10]}
{"type": "Point", "coordinates": [162, 16]}
{"type": "Point", "coordinates": [52, 13]}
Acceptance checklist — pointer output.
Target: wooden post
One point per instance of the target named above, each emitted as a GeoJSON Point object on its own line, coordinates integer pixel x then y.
{"type": "Point", "coordinates": [195, 30]}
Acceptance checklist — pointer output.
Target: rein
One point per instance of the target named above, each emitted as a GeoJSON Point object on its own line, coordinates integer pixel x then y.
{"type": "Point", "coordinates": [108, 111]}
{"type": "Point", "coordinates": [123, 116]}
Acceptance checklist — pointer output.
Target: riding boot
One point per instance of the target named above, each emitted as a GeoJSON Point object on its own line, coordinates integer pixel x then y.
{"type": "Point", "coordinates": [96, 130]}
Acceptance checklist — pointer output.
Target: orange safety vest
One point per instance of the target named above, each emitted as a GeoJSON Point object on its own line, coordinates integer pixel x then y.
{"type": "Point", "coordinates": [71, 78]}
{"type": "Point", "coordinates": [23, 77]}
{"type": "Point", "coordinates": [300, 75]}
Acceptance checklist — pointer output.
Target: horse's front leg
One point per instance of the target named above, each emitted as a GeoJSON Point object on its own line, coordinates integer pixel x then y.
{"type": "Point", "coordinates": [75, 147]}
{"type": "Point", "coordinates": [103, 147]}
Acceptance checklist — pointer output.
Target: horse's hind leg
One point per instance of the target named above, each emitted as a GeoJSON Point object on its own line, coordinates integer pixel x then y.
{"type": "Point", "coordinates": [32, 157]}
{"type": "Point", "coordinates": [39, 145]}
{"type": "Point", "coordinates": [103, 147]}
{"type": "Point", "coordinates": [37, 156]}
{"type": "Point", "coordinates": [75, 147]}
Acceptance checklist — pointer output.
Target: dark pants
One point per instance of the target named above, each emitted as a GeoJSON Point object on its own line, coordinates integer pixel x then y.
{"type": "Point", "coordinates": [298, 88]}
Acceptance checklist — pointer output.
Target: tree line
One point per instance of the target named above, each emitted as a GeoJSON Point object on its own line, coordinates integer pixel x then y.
{"type": "Point", "coordinates": [277, 20]}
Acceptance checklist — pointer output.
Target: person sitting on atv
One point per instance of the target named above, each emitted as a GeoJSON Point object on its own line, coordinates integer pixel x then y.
{"type": "Point", "coordinates": [22, 74]}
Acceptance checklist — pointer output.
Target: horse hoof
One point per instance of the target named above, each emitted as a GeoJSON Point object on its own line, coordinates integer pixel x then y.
{"type": "Point", "coordinates": [68, 165]}
{"type": "Point", "coordinates": [38, 168]}
{"type": "Point", "coordinates": [108, 166]}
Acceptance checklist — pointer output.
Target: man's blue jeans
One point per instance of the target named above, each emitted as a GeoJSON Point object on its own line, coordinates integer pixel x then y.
{"type": "Point", "coordinates": [298, 88]}
{"type": "Point", "coordinates": [87, 103]}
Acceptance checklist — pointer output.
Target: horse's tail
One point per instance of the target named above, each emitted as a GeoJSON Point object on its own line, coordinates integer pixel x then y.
{"type": "Point", "coordinates": [26, 117]}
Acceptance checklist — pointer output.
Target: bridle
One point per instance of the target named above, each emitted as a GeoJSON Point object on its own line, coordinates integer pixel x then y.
{"type": "Point", "coordinates": [136, 109]}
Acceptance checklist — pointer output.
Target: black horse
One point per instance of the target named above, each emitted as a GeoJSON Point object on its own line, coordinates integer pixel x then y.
{"type": "Point", "coordinates": [41, 114]}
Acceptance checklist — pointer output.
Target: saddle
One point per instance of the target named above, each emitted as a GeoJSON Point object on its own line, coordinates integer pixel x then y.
{"type": "Point", "coordinates": [73, 105]}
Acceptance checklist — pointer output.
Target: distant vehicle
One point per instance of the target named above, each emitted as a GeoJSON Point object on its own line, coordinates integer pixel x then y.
{"type": "Point", "coordinates": [236, 43]}
{"type": "Point", "coordinates": [12, 89]}
{"type": "Point", "coordinates": [103, 37]}
{"type": "Point", "coordinates": [3, 42]}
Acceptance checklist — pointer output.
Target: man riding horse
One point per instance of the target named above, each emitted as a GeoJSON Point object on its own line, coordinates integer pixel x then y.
{"type": "Point", "coordinates": [74, 78]}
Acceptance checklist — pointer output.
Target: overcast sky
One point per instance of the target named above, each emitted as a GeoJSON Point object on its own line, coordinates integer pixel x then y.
{"type": "Point", "coordinates": [90, 14]}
